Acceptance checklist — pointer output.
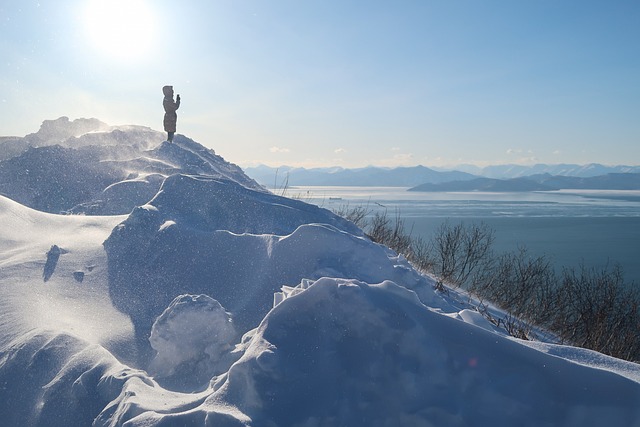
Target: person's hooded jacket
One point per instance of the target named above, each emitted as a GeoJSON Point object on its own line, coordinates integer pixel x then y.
{"type": "Point", "coordinates": [170, 107]}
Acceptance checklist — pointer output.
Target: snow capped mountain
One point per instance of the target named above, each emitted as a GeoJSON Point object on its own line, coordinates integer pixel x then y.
{"type": "Point", "coordinates": [209, 301]}
{"type": "Point", "coordinates": [573, 170]}
{"type": "Point", "coordinates": [418, 175]}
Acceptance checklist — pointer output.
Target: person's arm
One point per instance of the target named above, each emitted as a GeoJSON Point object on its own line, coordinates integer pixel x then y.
{"type": "Point", "coordinates": [177, 101]}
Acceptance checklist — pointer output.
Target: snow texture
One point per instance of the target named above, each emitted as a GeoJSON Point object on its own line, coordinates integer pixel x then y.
{"type": "Point", "coordinates": [374, 355]}
{"type": "Point", "coordinates": [86, 166]}
{"type": "Point", "coordinates": [203, 235]}
{"type": "Point", "coordinates": [215, 303]}
{"type": "Point", "coordinates": [192, 339]}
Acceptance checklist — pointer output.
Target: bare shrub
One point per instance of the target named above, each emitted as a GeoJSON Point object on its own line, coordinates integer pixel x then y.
{"type": "Point", "coordinates": [420, 255]}
{"type": "Point", "coordinates": [596, 310]}
{"type": "Point", "coordinates": [521, 284]}
{"type": "Point", "coordinates": [390, 233]}
{"type": "Point", "coordinates": [357, 215]}
{"type": "Point", "coordinates": [461, 251]}
{"type": "Point", "coordinates": [516, 327]}
{"type": "Point", "coordinates": [281, 188]}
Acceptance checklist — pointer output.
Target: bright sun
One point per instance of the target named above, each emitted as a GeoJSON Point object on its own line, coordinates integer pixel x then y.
{"type": "Point", "coordinates": [121, 29]}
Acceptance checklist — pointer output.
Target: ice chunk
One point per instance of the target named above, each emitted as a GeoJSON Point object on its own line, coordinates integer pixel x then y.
{"type": "Point", "coordinates": [195, 330]}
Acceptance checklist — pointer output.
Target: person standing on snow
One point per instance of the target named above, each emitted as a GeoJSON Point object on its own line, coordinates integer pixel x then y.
{"type": "Point", "coordinates": [170, 107]}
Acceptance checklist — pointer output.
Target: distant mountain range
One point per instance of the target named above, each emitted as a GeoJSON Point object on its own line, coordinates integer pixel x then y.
{"type": "Point", "coordinates": [370, 176]}
{"type": "Point", "coordinates": [563, 169]}
{"type": "Point", "coordinates": [543, 182]}
{"type": "Point", "coordinates": [493, 178]}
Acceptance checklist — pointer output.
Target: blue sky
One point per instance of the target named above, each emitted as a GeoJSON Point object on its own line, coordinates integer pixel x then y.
{"type": "Point", "coordinates": [349, 83]}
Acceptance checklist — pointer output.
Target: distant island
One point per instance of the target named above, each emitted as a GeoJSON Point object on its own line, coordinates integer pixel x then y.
{"type": "Point", "coordinates": [543, 182]}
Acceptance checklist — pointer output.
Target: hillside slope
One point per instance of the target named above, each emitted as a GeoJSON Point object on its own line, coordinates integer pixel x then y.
{"type": "Point", "coordinates": [218, 304]}
{"type": "Point", "coordinates": [88, 167]}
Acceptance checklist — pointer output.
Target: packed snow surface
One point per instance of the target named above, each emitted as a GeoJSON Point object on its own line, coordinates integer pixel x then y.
{"type": "Point", "coordinates": [213, 302]}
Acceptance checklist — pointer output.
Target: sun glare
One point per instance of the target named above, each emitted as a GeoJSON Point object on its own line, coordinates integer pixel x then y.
{"type": "Point", "coordinates": [121, 29]}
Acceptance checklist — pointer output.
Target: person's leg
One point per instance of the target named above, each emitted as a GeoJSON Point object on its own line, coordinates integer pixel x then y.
{"type": "Point", "coordinates": [170, 136]}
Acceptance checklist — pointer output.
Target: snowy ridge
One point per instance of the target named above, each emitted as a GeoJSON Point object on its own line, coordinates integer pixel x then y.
{"type": "Point", "coordinates": [88, 167]}
{"type": "Point", "coordinates": [215, 303]}
{"type": "Point", "coordinates": [192, 158]}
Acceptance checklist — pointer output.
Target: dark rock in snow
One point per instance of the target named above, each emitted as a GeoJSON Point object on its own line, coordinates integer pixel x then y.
{"type": "Point", "coordinates": [52, 261]}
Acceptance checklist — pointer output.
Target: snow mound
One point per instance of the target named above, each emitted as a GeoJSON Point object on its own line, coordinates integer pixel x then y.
{"type": "Point", "coordinates": [191, 338]}
{"type": "Point", "coordinates": [82, 133]}
{"type": "Point", "coordinates": [210, 236]}
{"type": "Point", "coordinates": [373, 355]}
{"type": "Point", "coordinates": [343, 352]}
{"type": "Point", "coordinates": [53, 178]}
{"type": "Point", "coordinates": [122, 196]}
{"type": "Point", "coordinates": [57, 131]}
{"type": "Point", "coordinates": [189, 157]}
{"type": "Point", "coordinates": [212, 203]}
{"type": "Point", "coordinates": [117, 142]}
{"type": "Point", "coordinates": [77, 166]}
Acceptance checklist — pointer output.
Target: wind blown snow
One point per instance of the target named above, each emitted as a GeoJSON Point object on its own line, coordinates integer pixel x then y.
{"type": "Point", "coordinates": [209, 301]}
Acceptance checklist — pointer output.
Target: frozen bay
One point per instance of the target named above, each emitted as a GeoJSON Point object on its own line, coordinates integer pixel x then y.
{"type": "Point", "coordinates": [569, 227]}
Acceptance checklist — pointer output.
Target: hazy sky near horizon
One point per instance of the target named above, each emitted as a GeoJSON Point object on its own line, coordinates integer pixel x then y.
{"type": "Point", "coordinates": [328, 82]}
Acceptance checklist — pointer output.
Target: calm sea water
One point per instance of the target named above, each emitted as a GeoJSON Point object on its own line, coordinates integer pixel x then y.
{"type": "Point", "coordinates": [569, 227]}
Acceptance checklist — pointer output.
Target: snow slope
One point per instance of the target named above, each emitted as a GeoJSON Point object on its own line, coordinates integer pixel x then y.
{"type": "Point", "coordinates": [239, 246]}
{"type": "Point", "coordinates": [50, 330]}
{"type": "Point", "coordinates": [216, 303]}
{"type": "Point", "coordinates": [86, 166]}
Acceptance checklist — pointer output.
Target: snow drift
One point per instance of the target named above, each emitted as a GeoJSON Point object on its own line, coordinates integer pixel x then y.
{"type": "Point", "coordinates": [213, 302]}
{"type": "Point", "coordinates": [374, 355]}
{"type": "Point", "coordinates": [210, 236]}
{"type": "Point", "coordinates": [88, 167]}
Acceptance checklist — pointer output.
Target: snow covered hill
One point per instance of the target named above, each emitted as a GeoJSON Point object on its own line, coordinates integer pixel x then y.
{"type": "Point", "coordinates": [86, 166]}
{"type": "Point", "coordinates": [214, 302]}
